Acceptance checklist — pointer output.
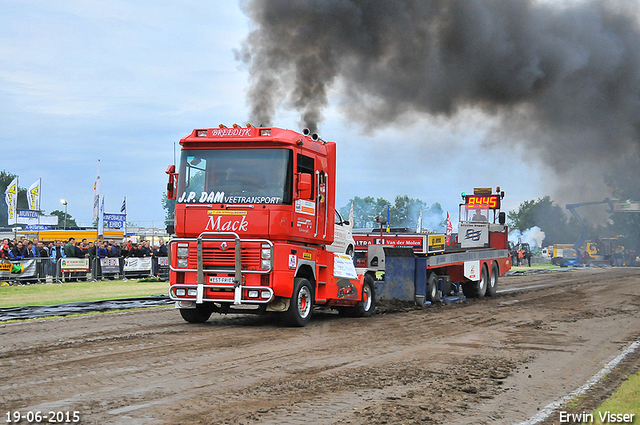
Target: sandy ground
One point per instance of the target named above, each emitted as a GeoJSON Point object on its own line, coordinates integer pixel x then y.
{"type": "Point", "coordinates": [493, 361]}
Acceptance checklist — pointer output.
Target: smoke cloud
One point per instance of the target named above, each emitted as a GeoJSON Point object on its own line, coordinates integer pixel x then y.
{"type": "Point", "coordinates": [533, 236]}
{"type": "Point", "coordinates": [561, 78]}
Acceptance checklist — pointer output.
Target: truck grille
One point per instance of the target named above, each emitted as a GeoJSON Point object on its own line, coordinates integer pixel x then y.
{"type": "Point", "coordinates": [213, 256]}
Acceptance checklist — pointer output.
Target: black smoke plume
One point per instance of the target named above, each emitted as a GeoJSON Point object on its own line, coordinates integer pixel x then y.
{"type": "Point", "coordinates": [562, 78]}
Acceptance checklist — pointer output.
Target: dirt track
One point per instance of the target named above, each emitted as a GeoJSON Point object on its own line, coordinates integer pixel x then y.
{"type": "Point", "coordinates": [488, 361]}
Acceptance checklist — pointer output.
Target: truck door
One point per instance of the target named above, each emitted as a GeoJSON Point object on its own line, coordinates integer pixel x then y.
{"type": "Point", "coordinates": [304, 216]}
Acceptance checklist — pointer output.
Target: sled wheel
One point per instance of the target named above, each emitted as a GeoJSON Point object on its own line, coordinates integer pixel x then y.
{"type": "Point", "coordinates": [479, 288]}
{"type": "Point", "coordinates": [433, 293]}
{"type": "Point", "coordinates": [493, 280]}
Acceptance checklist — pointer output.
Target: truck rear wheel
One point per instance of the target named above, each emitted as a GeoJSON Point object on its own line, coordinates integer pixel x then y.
{"type": "Point", "coordinates": [200, 314]}
{"type": "Point", "coordinates": [301, 306]}
{"type": "Point", "coordinates": [479, 288]}
{"type": "Point", "coordinates": [493, 280]}
{"type": "Point", "coordinates": [365, 307]}
{"type": "Point", "coordinates": [433, 294]}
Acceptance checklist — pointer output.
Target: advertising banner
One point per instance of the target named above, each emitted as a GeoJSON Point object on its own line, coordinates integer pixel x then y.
{"type": "Point", "coordinates": [33, 196]}
{"type": "Point", "coordinates": [110, 265]}
{"type": "Point", "coordinates": [417, 242]}
{"type": "Point", "coordinates": [74, 264]}
{"type": "Point", "coordinates": [137, 264]}
{"type": "Point", "coordinates": [473, 235]}
{"type": "Point", "coordinates": [343, 266]}
{"type": "Point", "coordinates": [11, 199]}
{"type": "Point", "coordinates": [30, 217]}
{"type": "Point", "coordinates": [114, 221]}
{"type": "Point", "coordinates": [17, 269]}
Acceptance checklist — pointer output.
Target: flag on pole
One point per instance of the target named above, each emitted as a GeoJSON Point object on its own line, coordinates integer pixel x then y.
{"type": "Point", "coordinates": [96, 194]}
{"type": "Point", "coordinates": [101, 220]}
{"type": "Point", "coordinates": [388, 218]}
{"type": "Point", "coordinates": [123, 210]}
{"type": "Point", "coordinates": [33, 196]}
{"type": "Point", "coordinates": [11, 198]}
{"type": "Point", "coordinates": [449, 229]}
{"type": "Point", "coordinates": [419, 228]}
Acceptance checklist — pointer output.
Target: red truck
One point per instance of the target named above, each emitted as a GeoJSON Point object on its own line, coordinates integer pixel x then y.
{"type": "Point", "coordinates": [254, 215]}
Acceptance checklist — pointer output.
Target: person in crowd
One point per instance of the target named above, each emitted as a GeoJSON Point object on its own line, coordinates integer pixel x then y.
{"type": "Point", "coordinates": [103, 250]}
{"type": "Point", "coordinates": [28, 252]}
{"type": "Point", "coordinates": [135, 251]}
{"type": "Point", "coordinates": [162, 249]}
{"type": "Point", "coordinates": [70, 252]}
{"type": "Point", "coordinates": [33, 247]}
{"type": "Point", "coordinates": [145, 249]}
{"type": "Point", "coordinates": [45, 266]}
{"type": "Point", "coordinates": [4, 253]}
{"type": "Point", "coordinates": [17, 252]}
{"type": "Point", "coordinates": [114, 250]}
{"type": "Point", "coordinates": [92, 250]}
{"type": "Point", "coordinates": [70, 248]}
{"type": "Point", "coordinates": [125, 249]}
{"type": "Point", "coordinates": [24, 248]}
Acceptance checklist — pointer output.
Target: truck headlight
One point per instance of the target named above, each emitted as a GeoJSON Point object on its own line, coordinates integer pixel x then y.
{"type": "Point", "coordinates": [192, 292]}
{"type": "Point", "coordinates": [183, 252]}
{"type": "Point", "coordinates": [181, 292]}
{"type": "Point", "coordinates": [253, 294]}
{"type": "Point", "coordinates": [266, 253]}
{"type": "Point", "coordinates": [183, 263]}
{"type": "Point", "coordinates": [266, 264]}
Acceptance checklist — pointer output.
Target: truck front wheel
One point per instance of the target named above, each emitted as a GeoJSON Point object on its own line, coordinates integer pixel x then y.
{"type": "Point", "coordinates": [479, 288]}
{"type": "Point", "coordinates": [299, 312]}
{"type": "Point", "coordinates": [200, 314]}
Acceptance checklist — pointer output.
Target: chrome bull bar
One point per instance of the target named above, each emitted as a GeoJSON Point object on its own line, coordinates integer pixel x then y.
{"type": "Point", "coordinates": [238, 270]}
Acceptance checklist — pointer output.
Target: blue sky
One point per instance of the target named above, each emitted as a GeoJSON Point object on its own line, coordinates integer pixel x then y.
{"type": "Point", "coordinates": [124, 81]}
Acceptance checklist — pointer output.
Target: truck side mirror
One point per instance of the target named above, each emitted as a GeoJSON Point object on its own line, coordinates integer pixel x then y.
{"type": "Point", "coordinates": [171, 187]}
{"type": "Point", "coordinates": [304, 185]}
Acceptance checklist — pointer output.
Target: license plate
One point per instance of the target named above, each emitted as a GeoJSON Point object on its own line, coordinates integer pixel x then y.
{"type": "Point", "coordinates": [216, 279]}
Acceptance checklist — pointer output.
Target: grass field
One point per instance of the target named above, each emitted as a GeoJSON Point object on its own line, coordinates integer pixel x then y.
{"type": "Point", "coordinates": [626, 400]}
{"type": "Point", "coordinates": [56, 293]}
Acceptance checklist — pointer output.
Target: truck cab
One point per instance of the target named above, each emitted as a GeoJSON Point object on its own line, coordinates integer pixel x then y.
{"type": "Point", "coordinates": [254, 216]}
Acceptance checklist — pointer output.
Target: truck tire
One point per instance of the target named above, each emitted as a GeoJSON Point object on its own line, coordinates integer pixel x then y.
{"type": "Point", "coordinates": [349, 251]}
{"type": "Point", "coordinates": [301, 306]}
{"type": "Point", "coordinates": [493, 280]}
{"type": "Point", "coordinates": [200, 314]}
{"type": "Point", "coordinates": [433, 293]}
{"type": "Point", "coordinates": [477, 289]}
{"type": "Point", "coordinates": [367, 306]}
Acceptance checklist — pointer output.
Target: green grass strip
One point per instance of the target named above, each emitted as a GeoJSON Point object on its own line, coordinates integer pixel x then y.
{"type": "Point", "coordinates": [625, 400]}
{"type": "Point", "coordinates": [69, 292]}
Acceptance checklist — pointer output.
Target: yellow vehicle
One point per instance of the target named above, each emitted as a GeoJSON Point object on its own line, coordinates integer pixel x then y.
{"type": "Point", "coordinates": [64, 235]}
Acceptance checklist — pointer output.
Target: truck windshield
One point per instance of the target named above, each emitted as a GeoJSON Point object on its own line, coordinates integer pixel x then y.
{"type": "Point", "coordinates": [235, 176]}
